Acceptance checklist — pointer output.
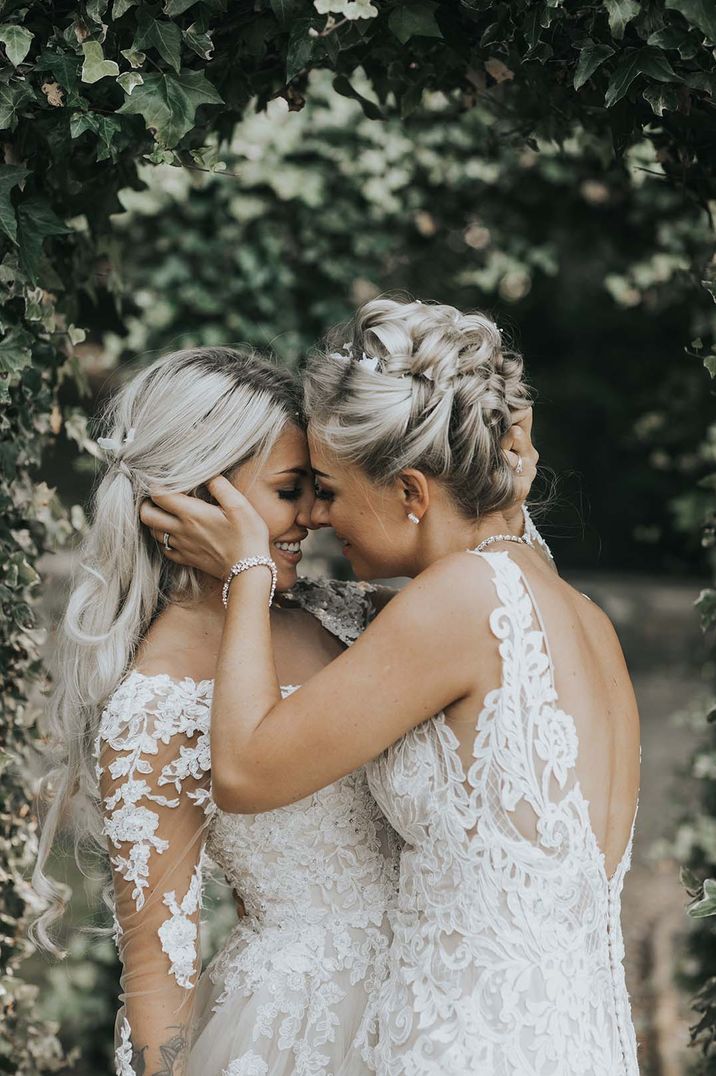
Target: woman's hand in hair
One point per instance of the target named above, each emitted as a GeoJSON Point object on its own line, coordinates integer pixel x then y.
{"type": "Point", "coordinates": [208, 537]}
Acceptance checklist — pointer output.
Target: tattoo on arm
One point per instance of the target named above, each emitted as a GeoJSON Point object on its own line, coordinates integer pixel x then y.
{"type": "Point", "coordinates": [172, 1052]}
{"type": "Point", "coordinates": [139, 1064]}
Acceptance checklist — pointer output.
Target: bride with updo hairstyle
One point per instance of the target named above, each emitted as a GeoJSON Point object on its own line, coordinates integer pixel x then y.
{"type": "Point", "coordinates": [489, 703]}
{"type": "Point", "coordinates": [421, 385]}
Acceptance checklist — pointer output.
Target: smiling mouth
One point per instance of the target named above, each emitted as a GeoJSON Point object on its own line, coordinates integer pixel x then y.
{"type": "Point", "coordinates": [290, 550]}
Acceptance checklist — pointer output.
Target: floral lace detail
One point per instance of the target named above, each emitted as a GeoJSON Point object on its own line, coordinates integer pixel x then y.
{"type": "Point", "coordinates": [249, 1065]}
{"type": "Point", "coordinates": [507, 943]}
{"type": "Point", "coordinates": [142, 713]}
{"type": "Point", "coordinates": [343, 608]}
{"type": "Point", "coordinates": [317, 879]}
{"type": "Point", "coordinates": [123, 1053]}
{"type": "Point", "coordinates": [178, 934]}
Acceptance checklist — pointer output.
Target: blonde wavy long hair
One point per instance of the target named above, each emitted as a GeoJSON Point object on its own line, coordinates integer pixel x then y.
{"type": "Point", "coordinates": [184, 419]}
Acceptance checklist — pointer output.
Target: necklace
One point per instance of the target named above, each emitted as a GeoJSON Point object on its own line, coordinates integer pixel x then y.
{"type": "Point", "coordinates": [500, 538]}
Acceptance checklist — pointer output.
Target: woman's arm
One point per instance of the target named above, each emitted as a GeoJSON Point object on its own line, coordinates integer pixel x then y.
{"type": "Point", "coordinates": [153, 757]}
{"type": "Point", "coordinates": [408, 665]}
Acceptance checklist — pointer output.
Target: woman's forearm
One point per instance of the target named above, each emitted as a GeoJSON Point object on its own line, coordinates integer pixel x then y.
{"type": "Point", "coordinates": [245, 658]}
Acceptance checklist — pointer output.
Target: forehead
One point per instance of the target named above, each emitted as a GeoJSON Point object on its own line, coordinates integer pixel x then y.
{"type": "Point", "coordinates": [322, 459]}
{"type": "Point", "coordinates": [290, 450]}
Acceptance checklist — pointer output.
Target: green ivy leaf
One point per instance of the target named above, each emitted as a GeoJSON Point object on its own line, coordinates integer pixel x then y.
{"type": "Point", "coordinates": [105, 127]}
{"type": "Point", "coordinates": [700, 13]}
{"type": "Point", "coordinates": [414, 20]}
{"type": "Point", "coordinates": [36, 222]}
{"type": "Point", "coordinates": [134, 56]}
{"type": "Point", "coordinates": [700, 909]}
{"type": "Point", "coordinates": [710, 364]}
{"type": "Point", "coordinates": [620, 13]}
{"type": "Point", "coordinates": [169, 104]}
{"type": "Point", "coordinates": [12, 97]}
{"type": "Point", "coordinates": [129, 80]}
{"type": "Point", "coordinates": [10, 176]}
{"type": "Point", "coordinates": [706, 606]}
{"type": "Point", "coordinates": [199, 41]}
{"type": "Point", "coordinates": [121, 7]}
{"type": "Point", "coordinates": [96, 10]}
{"type": "Point", "coordinates": [95, 66]}
{"type": "Point", "coordinates": [177, 7]}
{"type": "Point", "coordinates": [635, 62]}
{"type": "Point", "coordinates": [591, 57]}
{"type": "Point", "coordinates": [63, 66]}
{"type": "Point", "coordinates": [300, 48]}
{"type": "Point", "coordinates": [661, 99]}
{"type": "Point", "coordinates": [164, 36]}
{"type": "Point", "coordinates": [17, 41]}
{"type": "Point", "coordinates": [15, 352]}
{"type": "Point", "coordinates": [285, 10]}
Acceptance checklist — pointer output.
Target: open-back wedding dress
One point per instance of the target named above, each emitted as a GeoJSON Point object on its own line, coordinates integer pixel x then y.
{"type": "Point", "coordinates": [507, 951]}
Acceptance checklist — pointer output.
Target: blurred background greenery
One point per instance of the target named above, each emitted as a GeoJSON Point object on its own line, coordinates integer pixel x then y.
{"type": "Point", "coordinates": [586, 262]}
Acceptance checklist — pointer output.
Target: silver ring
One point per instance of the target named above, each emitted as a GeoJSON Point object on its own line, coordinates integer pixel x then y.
{"type": "Point", "coordinates": [165, 540]}
{"type": "Point", "coordinates": [520, 466]}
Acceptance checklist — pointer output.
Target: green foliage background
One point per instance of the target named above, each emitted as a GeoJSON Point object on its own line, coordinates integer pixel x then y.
{"type": "Point", "coordinates": [532, 154]}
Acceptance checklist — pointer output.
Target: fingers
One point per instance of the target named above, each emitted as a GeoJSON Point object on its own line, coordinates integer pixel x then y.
{"type": "Point", "coordinates": [182, 507]}
{"type": "Point", "coordinates": [523, 419]}
{"type": "Point", "coordinates": [157, 519]}
{"type": "Point", "coordinates": [224, 493]}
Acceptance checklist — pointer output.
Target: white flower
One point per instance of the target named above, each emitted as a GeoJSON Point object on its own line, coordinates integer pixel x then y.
{"type": "Point", "coordinates": [349, 9]}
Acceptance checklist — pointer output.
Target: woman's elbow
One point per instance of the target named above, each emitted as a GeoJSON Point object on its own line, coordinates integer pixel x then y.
{"type": "Point", "coordinates": [233, 795]}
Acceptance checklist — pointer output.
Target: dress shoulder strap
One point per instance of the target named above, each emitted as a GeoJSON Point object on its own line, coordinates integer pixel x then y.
{"type": "Point", "coordinates": [343, 608]}
{"type": "Point", "coordinates": [524, 740]}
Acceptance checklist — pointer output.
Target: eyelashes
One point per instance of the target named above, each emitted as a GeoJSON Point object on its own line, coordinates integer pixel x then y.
{"type": "Point", "coordinates": [322, 494]}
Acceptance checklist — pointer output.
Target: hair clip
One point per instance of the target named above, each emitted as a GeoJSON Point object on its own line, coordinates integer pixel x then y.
{"type": "Point", "coordinates": [113, 446]}
{"type": "Point", "coordinates": [370, 362]}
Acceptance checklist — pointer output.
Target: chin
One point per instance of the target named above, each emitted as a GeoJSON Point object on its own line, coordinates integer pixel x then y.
{"type": "Point", "coordinates": [286, 579]}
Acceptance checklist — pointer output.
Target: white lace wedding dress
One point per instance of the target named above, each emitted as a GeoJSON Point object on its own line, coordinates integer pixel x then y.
{"type": "Point", "coordinates": [507, 951]}
{"type": "Point", "coordinates": [287, 994]}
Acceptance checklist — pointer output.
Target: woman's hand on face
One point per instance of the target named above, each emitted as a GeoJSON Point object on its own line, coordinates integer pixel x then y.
{"type": "Point", "coordinates": [204, 536]}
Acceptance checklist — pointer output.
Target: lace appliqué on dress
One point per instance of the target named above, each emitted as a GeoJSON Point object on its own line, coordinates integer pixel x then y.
{"type": "Point", "coordinates": [179, 933]}
{"type": "Point", "coordinates": [142, 713]}
{"type": "Point", "coordinates": [123, 1053]}
{"type": "Point", "coordinates": [343, 608]}
{"type": "Point", "coordinates": [507, 948]}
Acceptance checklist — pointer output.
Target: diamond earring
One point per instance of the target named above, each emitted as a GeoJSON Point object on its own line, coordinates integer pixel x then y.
{"type": "Point", "coordinates": [413, 518]}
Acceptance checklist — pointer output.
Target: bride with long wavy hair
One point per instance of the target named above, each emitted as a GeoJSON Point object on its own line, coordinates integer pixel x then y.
{"type": "Point", "coordinates": [129, 733]}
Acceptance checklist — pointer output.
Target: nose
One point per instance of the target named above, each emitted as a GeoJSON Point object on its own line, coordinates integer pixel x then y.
{"type": "Point", "coordinates": [319, 514]}
{"type": "Point", "coordinates": [305, 509]}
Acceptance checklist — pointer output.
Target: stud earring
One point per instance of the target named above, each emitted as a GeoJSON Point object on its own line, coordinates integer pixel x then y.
{"type": "Point", "coordinates": [413, 518]}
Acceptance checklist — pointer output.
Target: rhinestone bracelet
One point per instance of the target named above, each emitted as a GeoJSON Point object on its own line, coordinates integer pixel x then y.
{"type": "Point", "coordinates": [244, 565]}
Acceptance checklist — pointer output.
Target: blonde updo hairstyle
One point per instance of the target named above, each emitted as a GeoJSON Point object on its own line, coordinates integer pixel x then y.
{"type": "Point", "coordinates": [174, 425]}
{"type": "Point", "coordinates": [409, 384]}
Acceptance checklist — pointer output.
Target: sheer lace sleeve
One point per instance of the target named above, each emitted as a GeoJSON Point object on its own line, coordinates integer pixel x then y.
{"type": "Point", "coordinates": [153, 769]}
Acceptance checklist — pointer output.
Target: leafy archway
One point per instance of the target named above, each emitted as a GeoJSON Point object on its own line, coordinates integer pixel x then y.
{"type": "Point", "coordinates": [88, 92]}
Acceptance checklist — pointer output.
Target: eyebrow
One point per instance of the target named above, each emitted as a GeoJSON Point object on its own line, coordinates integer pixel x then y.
{"type": "Point", "coordinates": [321, 474]}
{"type": "Point", "coordinates": [293, 470]}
